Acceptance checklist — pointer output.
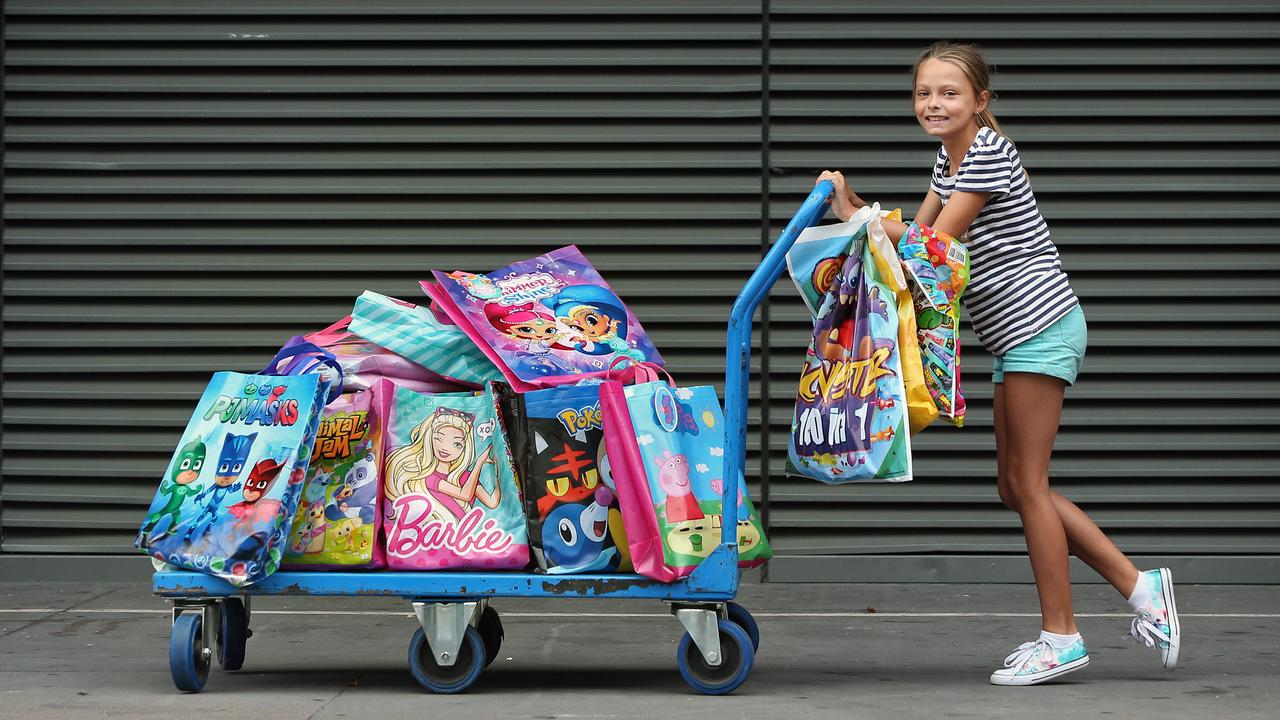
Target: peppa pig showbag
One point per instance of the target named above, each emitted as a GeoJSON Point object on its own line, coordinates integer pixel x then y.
{"type": "Point", "coordinates": [666, 451]}
{"type": "Point", "coordinates": [451, 500]}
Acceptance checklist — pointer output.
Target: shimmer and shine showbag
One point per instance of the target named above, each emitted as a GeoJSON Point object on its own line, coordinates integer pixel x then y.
{"type": "Point", "coordinates": [228, 498]}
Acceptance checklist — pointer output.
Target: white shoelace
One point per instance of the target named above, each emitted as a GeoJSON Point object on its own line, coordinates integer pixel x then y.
{"type": "Point", "coordinates": [1025, 652]}
{"type": "Point", "coordinates": [1144, 627]}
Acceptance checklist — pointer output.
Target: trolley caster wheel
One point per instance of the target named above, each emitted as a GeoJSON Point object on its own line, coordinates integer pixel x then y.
{"type": "Point", "coordinates": [232, 634]}
{"type": "Point", "coordinates": [187, 661]}
{"type": "Point", "coordinates": [736, 658]}
{"type": "Point", "coordinates": [454, 678]}
{"type": "Point", "coordinates": [739, 615]}
{"type": "Point", "coordinates": [490, 627]}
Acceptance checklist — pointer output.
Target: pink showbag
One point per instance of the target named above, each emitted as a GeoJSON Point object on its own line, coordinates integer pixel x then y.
{"type": "Point", "coordinates": [451, 497]}
{"type": "Point", "coordinates": [544, 322]}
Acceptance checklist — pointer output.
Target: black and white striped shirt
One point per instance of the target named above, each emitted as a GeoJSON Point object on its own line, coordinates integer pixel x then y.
{"type": "Point", "coordinates": [1016, 284]}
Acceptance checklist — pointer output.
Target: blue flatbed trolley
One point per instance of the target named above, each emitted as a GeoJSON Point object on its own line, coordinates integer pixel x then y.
{"type": "Point", "coordinates": [460, 631]}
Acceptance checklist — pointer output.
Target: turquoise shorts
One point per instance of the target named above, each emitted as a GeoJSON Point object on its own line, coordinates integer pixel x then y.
{"type": "Point", "coordinates": [1058, 351]}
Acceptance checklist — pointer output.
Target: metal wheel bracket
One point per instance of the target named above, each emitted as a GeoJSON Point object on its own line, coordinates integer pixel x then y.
{"type": "Point", "coordinates": [444, 625]}
{"type": "Point", "coordinates": [210, 624]}
{"type": "Point", "coordinates": [702, 622]}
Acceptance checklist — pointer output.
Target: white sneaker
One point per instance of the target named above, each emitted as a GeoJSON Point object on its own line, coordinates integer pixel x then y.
{"type": "Point", "coordinates": [1157, 624]}
{"type": "Point", "coordinates": [1037, 661]}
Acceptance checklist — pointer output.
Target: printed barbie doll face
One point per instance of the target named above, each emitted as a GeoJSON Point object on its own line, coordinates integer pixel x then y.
{"type": "Point", "coordinates": [448, 443]}
{"type": "Point", "coordinates": [539, 329]}
{"type": "Point", "coordinates": [589, 323]}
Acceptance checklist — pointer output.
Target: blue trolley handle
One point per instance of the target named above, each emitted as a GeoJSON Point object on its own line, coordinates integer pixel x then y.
{"type": "Point", "coordinates": [738, 351]}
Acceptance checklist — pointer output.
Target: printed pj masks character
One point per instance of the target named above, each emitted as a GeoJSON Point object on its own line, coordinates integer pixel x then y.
{"type": "Point", "coordinates": [354, 500]}
{"type": "Point", "coordinates": [527, 323]}
{"type": "Point", "coordinates": [673, 476]}
{"type": "Point", "coordinates": [254, 509]}
{"type": "Point", "coordinates": [596, 318]}
{"type": "Point", "coordinates": [573, 534]}
{"type": "Point", "coordinates": [181, 485]}
{"type": "Point", "coordinates": [478, 286]}
{"type": "Point", "coordinates": [440, 461]}
{"type": "Point", "coordinates": [232, 459]}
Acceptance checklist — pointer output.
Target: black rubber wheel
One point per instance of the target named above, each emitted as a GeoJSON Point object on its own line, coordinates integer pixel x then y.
{"type": "Point", "coordinates": [454, 678]}
{"type": "Point", "coordinates": [233, 634]}
{"type": "Point", "coordinates": [491, 633]}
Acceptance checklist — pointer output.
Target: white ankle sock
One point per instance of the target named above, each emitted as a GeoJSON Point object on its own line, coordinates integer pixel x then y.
{"type": "Point", "coordinates": [1141, 595]}
{"type": "Point", "coordinates": [1059, 641]}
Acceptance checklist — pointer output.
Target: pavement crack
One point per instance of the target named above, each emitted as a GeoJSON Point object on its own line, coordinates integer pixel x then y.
{"type": "Point", "coordinates": [350, 684]}
{"type": "Point", "coordinates": [56, 613]}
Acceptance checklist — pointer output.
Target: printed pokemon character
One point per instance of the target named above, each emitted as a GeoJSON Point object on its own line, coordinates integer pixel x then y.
{"type": "Point", "coordinates": [440, 461]}
{"type": "Point", "coordinates": [573, 535]}
{"type": "Point", "coordinates": [181, 485]}
{"type": "Point", "coordinates": [673, 476]}
{"type": "Point", "coordinates": [232, 459]}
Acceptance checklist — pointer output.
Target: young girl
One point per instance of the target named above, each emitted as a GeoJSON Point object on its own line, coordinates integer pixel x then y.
{"type": "Point", "coordinates": [440, 461]}
{"type": "Point", "coordinates": [1025, 313]}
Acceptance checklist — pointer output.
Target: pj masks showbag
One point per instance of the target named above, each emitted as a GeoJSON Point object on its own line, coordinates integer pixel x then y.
{"type": "Point", "coordinates": [575, 525]}
{"type": "Point", "coordinates": [545, 321]}
{"type": "Point", "coordinates": [666, 450]}
{"type": "Point", "coordinates": [452, 501]}
{"type": "Point", "coordinates": [228, 497]}
{"type": "Point", "coordinates": [339, 520]}
{"type": "Point", "coordinates": [850, 422]}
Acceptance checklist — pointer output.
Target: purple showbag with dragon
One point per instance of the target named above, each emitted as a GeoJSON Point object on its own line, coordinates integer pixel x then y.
{"type": "Point", "coordinates": [546, 321]}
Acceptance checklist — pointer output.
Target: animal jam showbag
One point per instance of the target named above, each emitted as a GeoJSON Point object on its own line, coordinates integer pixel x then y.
{"type": "Point", "coordinates": [451, 497]}
{"type": "Point", "coordinates": [545, 321]}
{"type": "Point", "coordinates": [339, 520]}
{"type": "Point", "coordinates": [230, 492]}
{"type": "Point", "coordinates": [850, 421]}
{"type": "Point", "coordinates": [571, 501]}
{"type": "Point", "coordinates": [666, 450]}
{"type": "Point", "coordinates": [939, 269]}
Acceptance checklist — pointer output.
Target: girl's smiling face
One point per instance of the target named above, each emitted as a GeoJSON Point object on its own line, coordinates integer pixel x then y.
{"type": "Point", "coordinates": [536, 329]}
{"type": "Point", "coordinates": [945, 101]}
{"type": "Point", "coordinates": [448, 442]}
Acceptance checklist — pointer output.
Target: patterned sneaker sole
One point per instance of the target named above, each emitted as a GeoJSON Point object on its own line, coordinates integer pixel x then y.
{"type": "Point", "coordinates": [1043, 676]}
{"type": "Point", "coordinates": [1170, 654]}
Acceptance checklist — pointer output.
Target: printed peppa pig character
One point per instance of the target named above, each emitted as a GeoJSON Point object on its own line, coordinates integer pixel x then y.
{"type": "Point", "coordinates": [673, 476]}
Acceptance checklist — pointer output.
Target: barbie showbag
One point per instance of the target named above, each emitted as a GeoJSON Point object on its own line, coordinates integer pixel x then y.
{"type": "Point", "coordinates": [938, 266]}
{"type": "Point", "coordinates": [546, 321]}
{"type": "Point", "coordinates": [339, 519]}
{"type": "Point", "coordinates": [666, 450]}
{"type": "Point", "coordinates": [230, 492]}
{"type": "Point", "coordinates": [575, 525]}
{"type": "Point", "coordinates": [451, 497]}
{"type": "Point", "coordinates": [850, 422]}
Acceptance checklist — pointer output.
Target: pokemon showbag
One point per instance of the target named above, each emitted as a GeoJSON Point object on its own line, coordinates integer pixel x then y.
{"type": "Point", "coordinates": [451, 498]}
{"type": "Point", "coordinates": [339, 520]}
{"type": "Point", "coordinates": [416, 333]}
{"type": "Point", "coordinates": [365, 363]}
{"type": "Point", "coordinates": [850, 422]}
{"type": "Point", "coordinates": [546, 321]}
{"type": "Point", "coordinates": [228, 498]}
{"type": "Point", "coordinates": [575, 525]}
{"type": "Point", "coordinates": [666, 450]}
{"type": "Point", "coordinates": [938, 266]}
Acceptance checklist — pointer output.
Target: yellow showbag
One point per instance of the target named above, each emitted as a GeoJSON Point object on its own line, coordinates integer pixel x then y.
{"type": "Point", "coordinates": [921, 410]}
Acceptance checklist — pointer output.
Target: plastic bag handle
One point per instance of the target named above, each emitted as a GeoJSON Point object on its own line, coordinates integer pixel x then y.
{"type": "Point", "coordinates": [647, 370]}
{"type": "Point", "coordinates": [295, 349]}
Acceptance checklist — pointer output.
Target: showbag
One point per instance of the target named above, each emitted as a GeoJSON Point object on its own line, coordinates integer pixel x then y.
{"type": "Point", "coordinates": [938, 266]}
{"type": "Point", "coordinates": [666, 450]}
{"type": "Point", "coordinates": [232, 487]}
{"type": "Point", "coordinates": [546, 321]}
{"type": "Point", "coordinates": [451, 497]}
{"type": "Point", "coordinates": [850, 422]}
{"type": "Point", "coordinates": [339, 520]}
{"type": "Point", "coordinates": [575, 524]}
{"type": "Point", "coordinates": [365, 363]}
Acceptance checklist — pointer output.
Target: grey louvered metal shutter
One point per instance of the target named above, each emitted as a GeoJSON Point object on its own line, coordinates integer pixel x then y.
{"type": "Point", "coordinates": [1149, 130]}
{"type": "Point", "coordinates": [190, 184]}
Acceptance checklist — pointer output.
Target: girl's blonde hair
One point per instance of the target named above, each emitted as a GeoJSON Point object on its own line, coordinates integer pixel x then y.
{"type": "Point", "coordinates": [969, 59]}
{"type": "Point", "coordinates": [408, 466]}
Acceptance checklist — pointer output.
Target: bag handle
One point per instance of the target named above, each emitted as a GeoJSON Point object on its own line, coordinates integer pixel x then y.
{"type": "Point", "coordinates": [335, 333]}
{"type": "Point", "coordinates": [297, 351]}
{"type": "Point", "coordinates": [641, 372]}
